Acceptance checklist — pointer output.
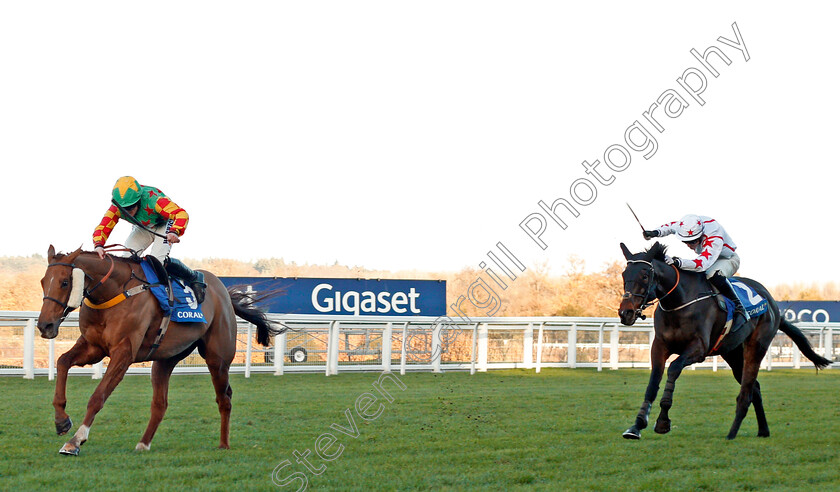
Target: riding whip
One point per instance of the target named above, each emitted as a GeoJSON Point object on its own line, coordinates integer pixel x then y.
{"type": "Point", "coordinates": [636, 216]}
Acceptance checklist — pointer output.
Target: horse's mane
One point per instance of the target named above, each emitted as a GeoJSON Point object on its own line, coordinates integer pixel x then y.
{"type": "Point", "coordinates": [656, 252]}
{"type": "Point", "coordinates": [70, 257]}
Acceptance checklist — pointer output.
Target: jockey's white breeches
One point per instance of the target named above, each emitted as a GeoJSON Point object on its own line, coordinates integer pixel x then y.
{"type": "Point", "coordinates": [726, 266]}
{"type": "Point", "coordinates": [139, 239]}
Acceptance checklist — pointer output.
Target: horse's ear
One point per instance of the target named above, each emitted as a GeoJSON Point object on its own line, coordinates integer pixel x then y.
{"type": "Point", "coordinates": [50, 252]}
{"type": "Point", "coordinates": [627, 253]}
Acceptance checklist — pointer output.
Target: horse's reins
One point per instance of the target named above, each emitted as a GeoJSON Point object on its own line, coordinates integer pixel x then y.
{"type": "Point", "coordinates": [649, 297]}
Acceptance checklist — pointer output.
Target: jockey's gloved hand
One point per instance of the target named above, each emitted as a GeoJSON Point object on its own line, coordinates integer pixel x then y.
{"type": "Point", "coordinates": [650, 234]}
{"type": "Point", "coordinates": [673, 261]}
{"type": "Point", "coordinates": [100, 251]}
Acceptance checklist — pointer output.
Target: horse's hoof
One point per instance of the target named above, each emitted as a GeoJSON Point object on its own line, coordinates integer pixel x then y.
{"type": "Point", "coordinates": [142, 447]}
{"type": "Point", "coordinates": [632, 433]}
{"type": "Point", "coordinates": [62, 427]}
{"type": "Point", "coordinates": [764, 433]}
{"type": "Point", "coordinates": [69, 450]}
{"type": "Point", "coordinates": [662, 427]}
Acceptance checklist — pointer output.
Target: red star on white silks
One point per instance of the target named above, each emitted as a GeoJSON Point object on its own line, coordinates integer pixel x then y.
{"type": "Point", "coordinates": [698, 263]}
{"type": "Point", "coordinates": [706, 254]}
{"type": "Point", "coordinates": [708, 242]}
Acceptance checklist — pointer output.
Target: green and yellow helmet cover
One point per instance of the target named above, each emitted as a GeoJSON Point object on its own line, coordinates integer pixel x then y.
{"type": "Point", "coordinates": [126, 191]}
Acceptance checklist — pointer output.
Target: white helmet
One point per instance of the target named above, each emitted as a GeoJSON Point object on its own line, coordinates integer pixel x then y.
{"type": "Point", "coordinates": [690, 228]}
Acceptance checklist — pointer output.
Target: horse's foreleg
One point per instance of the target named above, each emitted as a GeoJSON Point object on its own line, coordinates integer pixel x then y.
{"type": "Point", "coordinates": [121, 358]}
{"type": "Point", "coordinates": [658, 356]}
{"type": "Point", "coordinates": [161, 371]}
{"type": "Point", "coordinates": [695, 352]}
{"type": "Point", "coordinates": [80, 354]}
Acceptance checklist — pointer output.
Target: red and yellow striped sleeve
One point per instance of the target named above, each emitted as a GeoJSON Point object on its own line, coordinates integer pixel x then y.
{"type": "Point", "coordinates": [169, 210]}
{"type": "Point", "coordinates": [103, 230]}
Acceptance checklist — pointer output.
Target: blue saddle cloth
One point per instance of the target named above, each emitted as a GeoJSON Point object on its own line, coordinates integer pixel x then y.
{"type": "Point", "coordinates": [753, 303]}
{"type": "Point", "coordinates": [186, 309]}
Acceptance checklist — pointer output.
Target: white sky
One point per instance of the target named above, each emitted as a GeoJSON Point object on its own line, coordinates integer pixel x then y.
{"type": "Point", "coordinates": [401, 135]}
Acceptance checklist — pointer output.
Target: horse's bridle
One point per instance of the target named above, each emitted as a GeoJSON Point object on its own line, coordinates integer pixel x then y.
{"type": "Point", "coordinates": [86, 293]}
{"type": "Point", "coordinates": [649, 296]}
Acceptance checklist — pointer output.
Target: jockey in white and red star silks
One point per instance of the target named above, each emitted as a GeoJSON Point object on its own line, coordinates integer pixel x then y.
{"type": "Point", "coordinates": [715, 248]}
{"type": "Point", "coordinates": [716, 256]}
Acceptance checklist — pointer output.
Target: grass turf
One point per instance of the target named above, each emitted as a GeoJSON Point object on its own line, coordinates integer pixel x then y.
{"type": "Point", "coordinates": [501, 430]}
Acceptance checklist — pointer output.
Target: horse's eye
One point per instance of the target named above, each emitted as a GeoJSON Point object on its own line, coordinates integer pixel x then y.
{"type": "Point", "coordinates": [65, 283]}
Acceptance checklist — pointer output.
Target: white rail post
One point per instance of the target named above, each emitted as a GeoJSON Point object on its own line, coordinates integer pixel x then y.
{"type": "Point", "coordinates": [571, 347]}
{"type": "Point", "coordinates": [248, 348]}
{"type": "Point", "coordinates": [51, 370]}
{"type": "Point", "coordinates": [614, 348]}
{"type": "Point", "coordinates": [402, 348]}
{"type": "Point", "coordinates": [483, 356]}
{"type": "Point", "coordinates": [437, 350]}
{"type": "Point", "coordinates": [714, 363]}
{"type": "Point", "coordinates": [474, 353]}
{"type": "Point", "coordinates": [279, 350]}
{"type": "Point", "coordinates": [601, 347]}
{"type": "Point", "coordinates": [540, 347]}
{"type": "Point", "coordinates": [829, 345]}
{"type": "Point", "coordinates": [528, 347]}
{"type": "Point", "coordinates": [337, 349]}
{"type": "Point", "coordinates": [29, 349]}
{"type": "Point", "coordinates": [797, 356]}
{"type": "Point", "coordinates": [97, 370]}
{"type": "Point", "coordinates": [768, 357]}
{"type": "Point", "coordinates": [387, 334]}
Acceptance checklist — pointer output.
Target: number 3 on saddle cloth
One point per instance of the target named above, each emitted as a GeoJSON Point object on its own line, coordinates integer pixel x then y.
{"type": "Point", "coordinates": [754, 304]}
{"type": "Point", "coordinates": [186, 308]}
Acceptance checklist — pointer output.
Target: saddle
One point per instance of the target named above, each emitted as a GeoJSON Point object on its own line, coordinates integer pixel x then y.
{"type": "Point", "coordinates": [753, 303]}
{"type": "Point", "coordinates": [176, 300]}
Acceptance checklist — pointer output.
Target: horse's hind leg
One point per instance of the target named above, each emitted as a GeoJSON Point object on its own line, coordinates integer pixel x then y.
{"type": "Point", "coordinates": [758, 405]}
{"type": "Point", "coordinates": [735, 359]}
{"type": "Point", "coordinates": [80, 354]}
{"type": "Point", "coordinates": [221, 382]}
{"type": "Point", "coordinates": [749, 388]}
{"type": "Point", "coordinates": [161, 371]}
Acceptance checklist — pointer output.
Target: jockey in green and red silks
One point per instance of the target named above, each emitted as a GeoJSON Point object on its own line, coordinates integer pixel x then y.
{"type": "Point", "coordinates": [155, 210]}
{"type": "Point", "coordinates": [158, 222]}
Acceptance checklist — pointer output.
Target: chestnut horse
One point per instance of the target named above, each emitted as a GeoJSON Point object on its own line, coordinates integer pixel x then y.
{"type": "Point", "coordinates": [689, 323]}
{"type": "Point", "coordinates": [126, 328]}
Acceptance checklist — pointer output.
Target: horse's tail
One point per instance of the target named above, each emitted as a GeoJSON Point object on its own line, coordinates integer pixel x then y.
{"type": "Point", "coordinates": [804, 345]}
{"type": "Point", "coordinates": [244, 305]}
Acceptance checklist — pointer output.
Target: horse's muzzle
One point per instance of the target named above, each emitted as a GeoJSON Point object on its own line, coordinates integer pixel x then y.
{"type": "Point", "coordinates": [627, 312]}
{"type": "Point", "coordinates": [48, 330]}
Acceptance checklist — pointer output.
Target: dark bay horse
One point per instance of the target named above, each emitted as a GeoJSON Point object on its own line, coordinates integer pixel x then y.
{"type": "Point", "coordinates": [688, 323]}
{"type": "Point", "coordinates": [125, 329]}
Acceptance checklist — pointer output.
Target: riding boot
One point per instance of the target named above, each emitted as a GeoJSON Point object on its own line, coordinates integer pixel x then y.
{"type": "Point", "coordinates": [740, 317]}
{"type": "Point", "coordinates": [193, 278]}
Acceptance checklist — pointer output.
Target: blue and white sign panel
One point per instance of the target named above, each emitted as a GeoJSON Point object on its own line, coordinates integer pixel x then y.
{"type": "Point", "coordinates": [810, 311]}
{"type": "Point", "coordinates": [345, 296]}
